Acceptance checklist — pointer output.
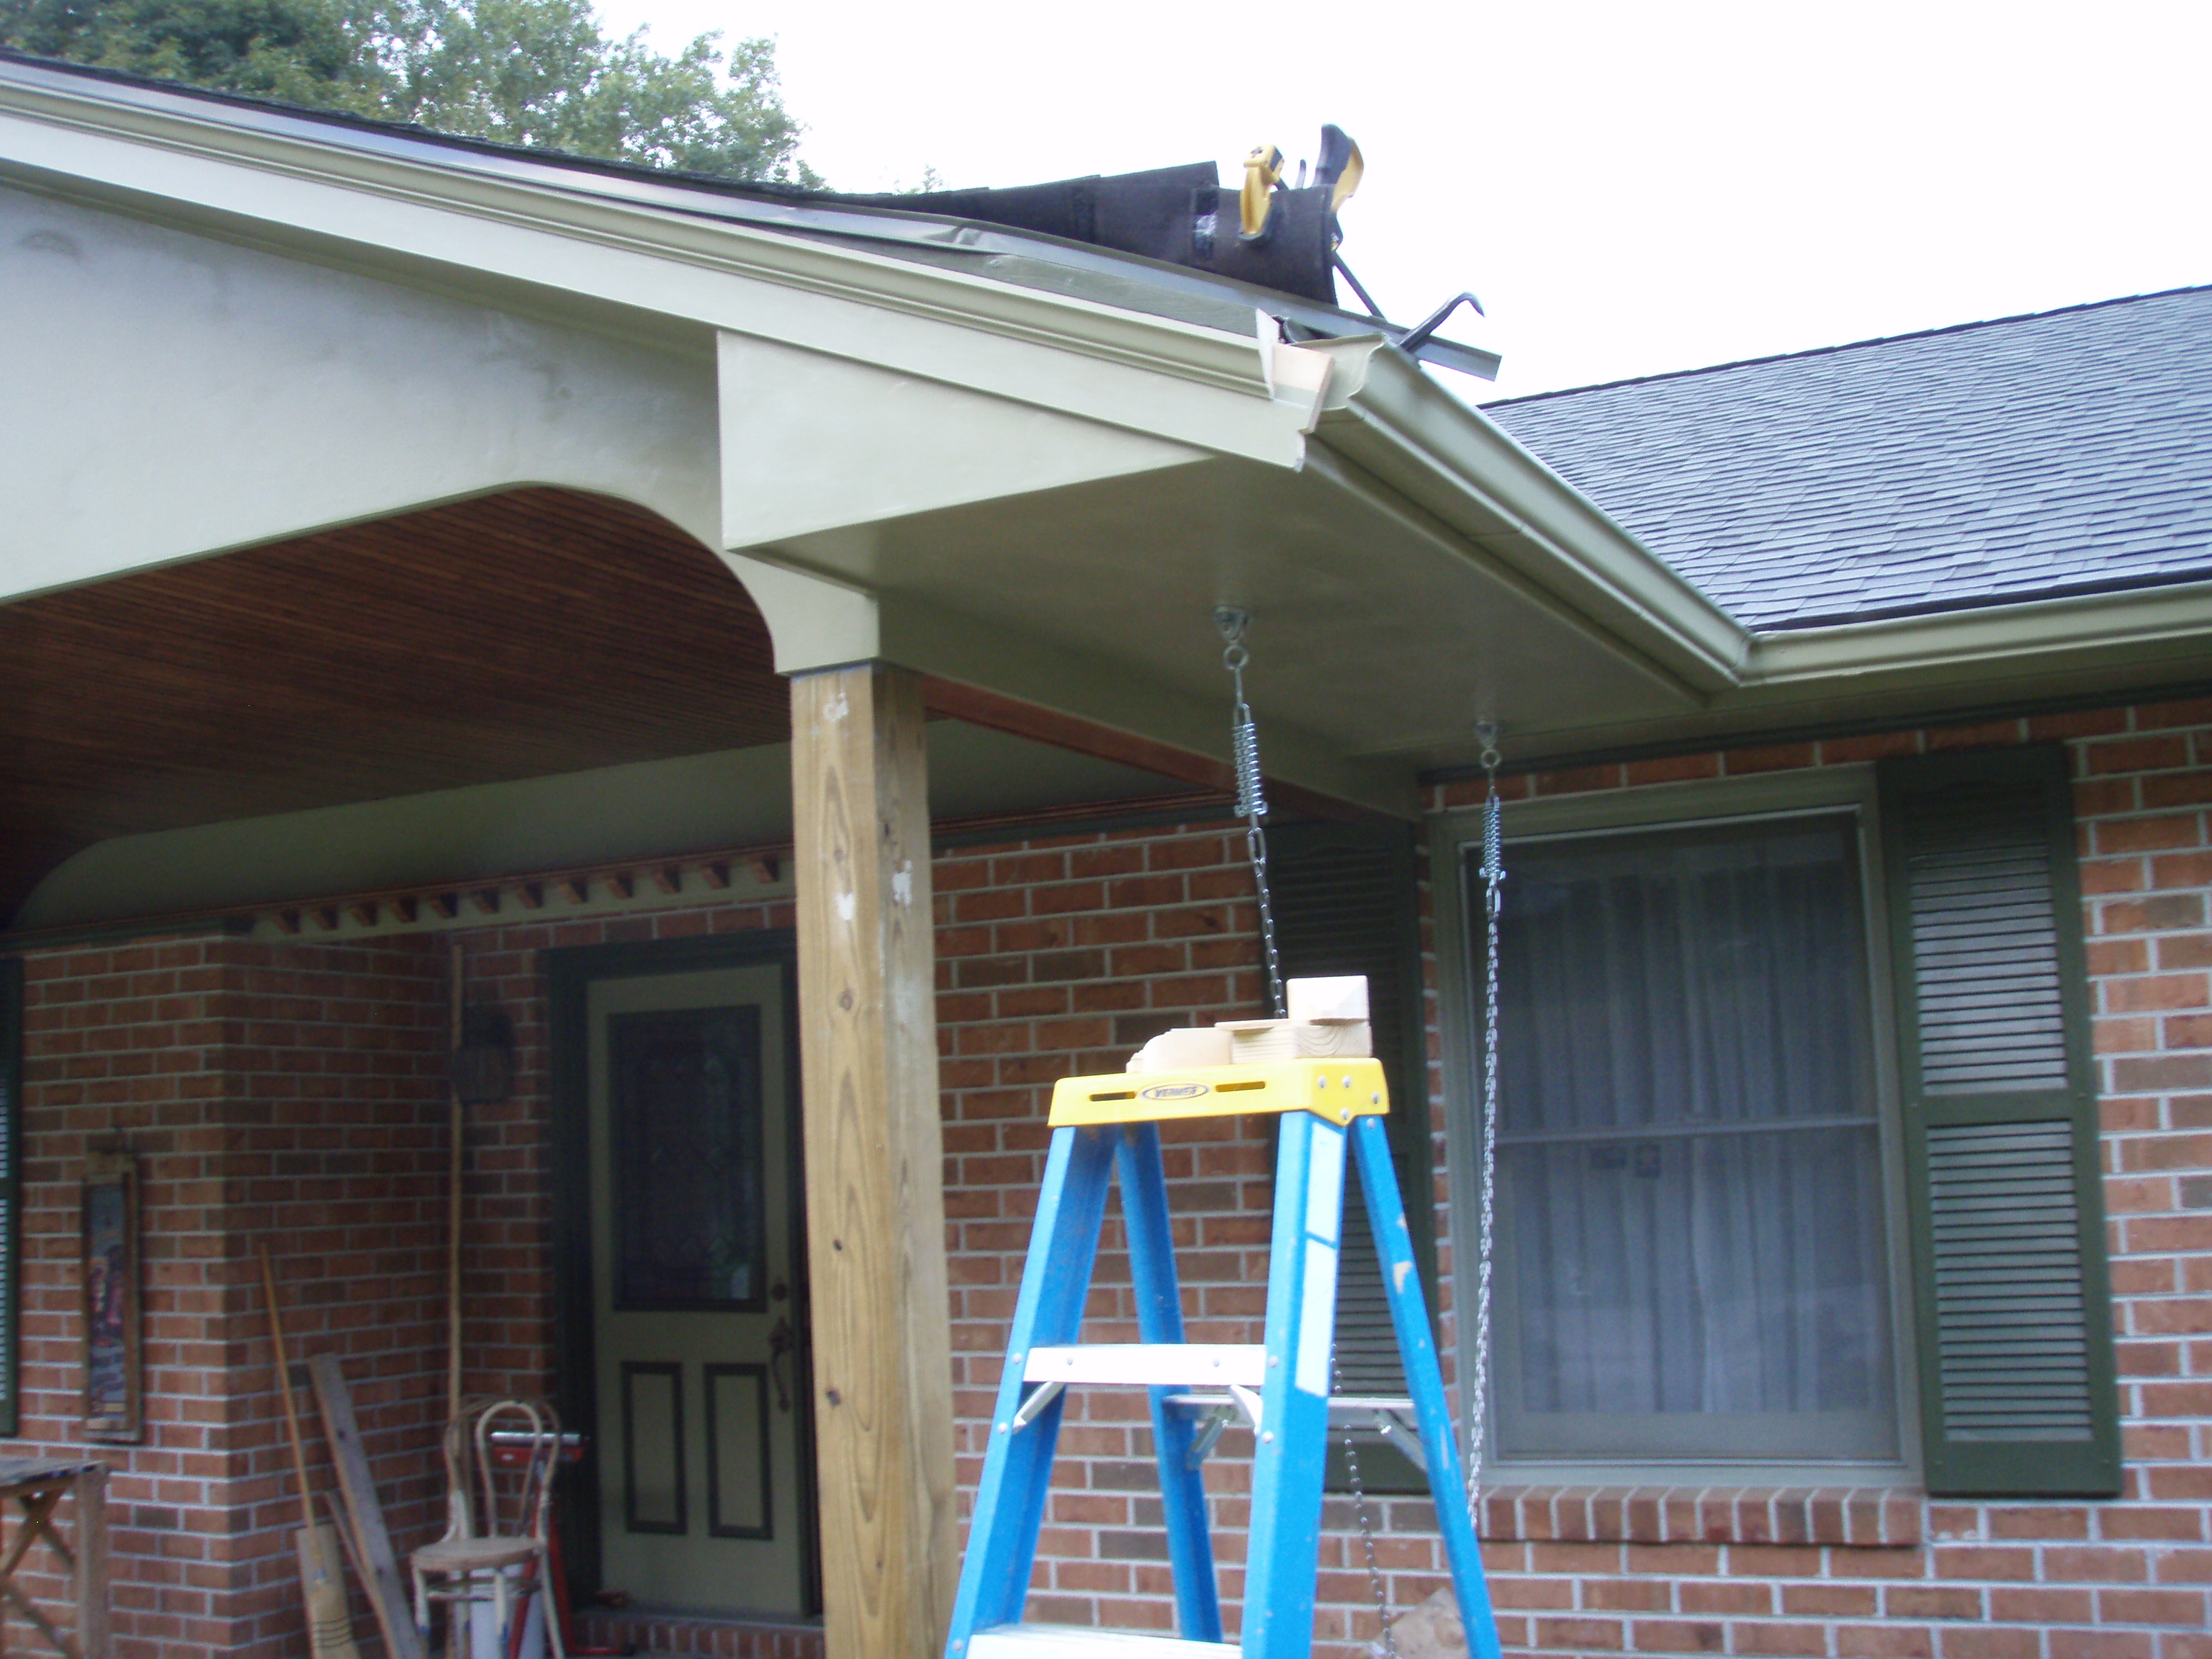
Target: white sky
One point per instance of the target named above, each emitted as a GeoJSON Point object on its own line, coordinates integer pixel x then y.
{"type": "Point", "coordinates": [1630, 187]}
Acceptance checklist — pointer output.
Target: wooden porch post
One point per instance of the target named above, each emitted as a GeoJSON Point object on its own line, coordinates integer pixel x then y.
{"type": "Point", "coordinates": [875, 1201]}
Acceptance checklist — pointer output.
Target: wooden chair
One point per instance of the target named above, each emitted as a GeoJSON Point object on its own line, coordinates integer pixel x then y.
{"type": "Point", "coordinates": [500, 1507]}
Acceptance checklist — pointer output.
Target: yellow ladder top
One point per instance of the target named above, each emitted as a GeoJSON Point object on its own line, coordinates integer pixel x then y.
{"type": "Point", "coordinates": [1336, 1090]}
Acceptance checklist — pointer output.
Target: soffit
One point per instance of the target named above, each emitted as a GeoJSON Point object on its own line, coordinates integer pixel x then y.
{"type": "Point", "coordinates": [511, 637]}
{"type": "Point", "coordinates": [1382, 633]}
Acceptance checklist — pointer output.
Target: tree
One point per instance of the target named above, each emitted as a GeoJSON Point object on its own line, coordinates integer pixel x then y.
{"type": "Point", "coordinates": [537, 73]}
{"type": "Point", "coordinates": [304, 52]}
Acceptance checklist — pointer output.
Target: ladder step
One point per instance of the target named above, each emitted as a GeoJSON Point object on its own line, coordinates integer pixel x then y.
{"type": "Point", "coordinates": [1151, 1365]}
{"type": "Point", "coordinates": [1354, 1409]}
{"type": "Point", "coordinates": [1089, 1641]}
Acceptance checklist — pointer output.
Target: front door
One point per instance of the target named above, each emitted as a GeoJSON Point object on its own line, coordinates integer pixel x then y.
{"type": "Point", "coordinates": [695, 1293]}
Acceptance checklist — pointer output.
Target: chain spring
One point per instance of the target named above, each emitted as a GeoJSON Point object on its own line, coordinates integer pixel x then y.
{"type": "Point", "coordinates": [1493, 882]}
{"type": "Point", "coordinates": [1251, 787]}
{"type": "Point", "coordinates": [1251, 792]}
{"type": "Point", "coordinates": [1252, 807]}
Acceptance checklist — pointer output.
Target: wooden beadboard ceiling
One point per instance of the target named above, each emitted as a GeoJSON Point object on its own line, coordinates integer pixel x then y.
{"type": "Point", "coordinates": [534, 632]}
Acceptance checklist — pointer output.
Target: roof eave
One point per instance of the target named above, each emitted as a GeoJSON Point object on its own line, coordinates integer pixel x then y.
{"type": "Point", "coordinates": [1387, 432]}
{"type": "Point", "coordinates": [1415, 437]}
{"type": "Point", "coordinates": [2132, 631]}
{"type": "Point", "coordinates": [301, 187]}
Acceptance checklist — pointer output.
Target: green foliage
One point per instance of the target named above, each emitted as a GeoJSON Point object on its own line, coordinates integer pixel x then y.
{"type": "Point", "coordinates": [532, 72]}
{"type": "Point", "coordinates": [305, 52]}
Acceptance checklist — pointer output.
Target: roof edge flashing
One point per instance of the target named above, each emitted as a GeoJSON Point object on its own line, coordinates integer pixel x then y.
{"type": "Point", "coordinates": [2173, 614]}
{"type": "Point", "coordinates": [136, 106]}
{"type": "Point", "coordinates": [1392, 421]}
{"type": "Point", "coordinates": [520, 194]}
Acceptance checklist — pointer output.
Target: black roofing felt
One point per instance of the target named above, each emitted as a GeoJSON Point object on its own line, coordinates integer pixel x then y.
{"type": "Point", "coordinates": [2066, 451]}
{"type": "Point", "coordinates": [1179, 216]}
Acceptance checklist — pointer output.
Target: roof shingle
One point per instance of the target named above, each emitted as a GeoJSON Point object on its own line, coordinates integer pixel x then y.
{"type": "Point", "coordinates": [2064, 451]}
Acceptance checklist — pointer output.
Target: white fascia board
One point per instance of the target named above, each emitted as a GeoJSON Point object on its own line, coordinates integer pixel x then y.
{"type": "Point", "coordinates": [2142, 625]}
{"type": "Point", "coordinates": [1388, 419]}
{"type": "Point", "coordinates": [1202, 386]}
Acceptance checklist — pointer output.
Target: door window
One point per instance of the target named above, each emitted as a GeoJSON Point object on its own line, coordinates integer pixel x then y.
{"type": "Point", "coordinates": [691, 1226]}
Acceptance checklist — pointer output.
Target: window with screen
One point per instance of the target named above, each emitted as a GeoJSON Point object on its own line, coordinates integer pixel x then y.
{"type": "Point", "coordinates": [1694, 1256]}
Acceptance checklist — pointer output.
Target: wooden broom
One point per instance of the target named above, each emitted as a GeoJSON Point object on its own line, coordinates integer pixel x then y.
{"type": "Point", "coordinates": [322, 1580]}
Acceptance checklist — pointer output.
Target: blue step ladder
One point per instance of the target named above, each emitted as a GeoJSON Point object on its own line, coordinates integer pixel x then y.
{"type": "Point", "coordinates": [1281, 1387]}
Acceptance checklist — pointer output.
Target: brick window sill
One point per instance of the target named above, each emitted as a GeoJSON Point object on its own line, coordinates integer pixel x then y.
{"type": "Point", "coordinates": [1853, 1517]}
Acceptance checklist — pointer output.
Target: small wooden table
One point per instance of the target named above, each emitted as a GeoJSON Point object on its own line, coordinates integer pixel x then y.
{"type": "Point", "coordinates": [40, 1484]}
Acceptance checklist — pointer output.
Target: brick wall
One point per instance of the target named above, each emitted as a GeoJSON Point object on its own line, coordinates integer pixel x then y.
{"type": "Point", "coordinates": [291, 1095]}
{"type": "Point", "coordinates": [1059, 958]}
{"type": "Point", "coordinates": [1059, 955]}
{"type": "Point", "coordinates": [337, 1121]}
{"type": "Point", "coordinates": [126, 1045]}
{"type": "Point", "coordinates": [276, 1094]}
{"type": "Point", "coordinates": [1581, 1571]}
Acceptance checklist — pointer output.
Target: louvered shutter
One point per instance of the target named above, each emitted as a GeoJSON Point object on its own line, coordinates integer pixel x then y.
{"type": "Point", "coordinates": [11, 1182]}
{"type": "Point", "coordinates": [2012, 1304]}
{"type": "Point", "coordinates": [1346, 903]}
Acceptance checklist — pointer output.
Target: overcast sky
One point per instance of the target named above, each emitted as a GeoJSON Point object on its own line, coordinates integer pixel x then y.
{"type": "Point", "coordinates": [1630, 188]}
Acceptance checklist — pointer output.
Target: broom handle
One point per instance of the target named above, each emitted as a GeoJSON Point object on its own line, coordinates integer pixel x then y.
{"type": "Point", "coordinates": [284, 1389]}
{"type": "Point", "coordinates": [455, 1159]}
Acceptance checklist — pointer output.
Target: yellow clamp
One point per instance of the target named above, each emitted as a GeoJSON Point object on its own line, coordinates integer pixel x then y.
{"type": "Point", "coordinates": [1263, 170]}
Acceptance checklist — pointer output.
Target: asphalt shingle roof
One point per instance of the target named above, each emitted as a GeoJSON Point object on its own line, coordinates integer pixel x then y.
{"type": "Point", "coordinates": [2066, 451]}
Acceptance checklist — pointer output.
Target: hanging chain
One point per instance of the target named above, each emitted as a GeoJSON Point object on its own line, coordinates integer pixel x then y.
{"type": "Point", "coordinates": [1252, 807]}
{"type": "Point", "coordinates": [1251, 797]}
{"type": "Point", "coordinates": [1493, 881]}
{"type": "Point", "coordinates": [1366, 1522]}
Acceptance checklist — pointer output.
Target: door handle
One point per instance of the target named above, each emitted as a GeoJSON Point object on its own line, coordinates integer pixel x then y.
{"type": "Point", "coordinates": [780, 1343]}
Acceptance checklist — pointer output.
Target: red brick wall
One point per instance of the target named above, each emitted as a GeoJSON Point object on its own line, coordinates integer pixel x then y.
{"type": "Point", "coordinates": [1059, 958]}
{"type": "Point", "coordinates": [1572, 1572]}
{"type": "Point", "coordinates": [336, 1122]}
{"type": "Point", "coordinates": [293, 1095]}
{"type": "Point", "coordinates": [127, 1044]}
{"type": "Point", "coordinates": [1055, 956]}
{"type": "Point", "coordinates": [284, 1094]}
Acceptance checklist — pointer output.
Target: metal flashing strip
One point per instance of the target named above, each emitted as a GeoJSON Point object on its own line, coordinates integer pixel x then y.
{"type": "Point", "coordinates": [1990, 634]}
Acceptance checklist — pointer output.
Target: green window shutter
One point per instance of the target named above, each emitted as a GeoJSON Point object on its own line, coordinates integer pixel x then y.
{"type": "Point", "coordinates": [1346, 903]}
{"type": "Point", "coordinates": [11, 1184]}
{"type": "Point", "coordinates": [2011, 1299]}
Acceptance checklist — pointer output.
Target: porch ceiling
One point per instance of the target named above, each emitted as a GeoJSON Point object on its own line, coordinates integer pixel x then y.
{"type": "Point", "coordinates": [534, 632]}
{"type": "Point", "coordinates": [1379, 637]}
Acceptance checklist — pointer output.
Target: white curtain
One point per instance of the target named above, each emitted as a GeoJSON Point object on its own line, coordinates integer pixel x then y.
{"type": "Point", "coordinates": [1692, 1240]}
